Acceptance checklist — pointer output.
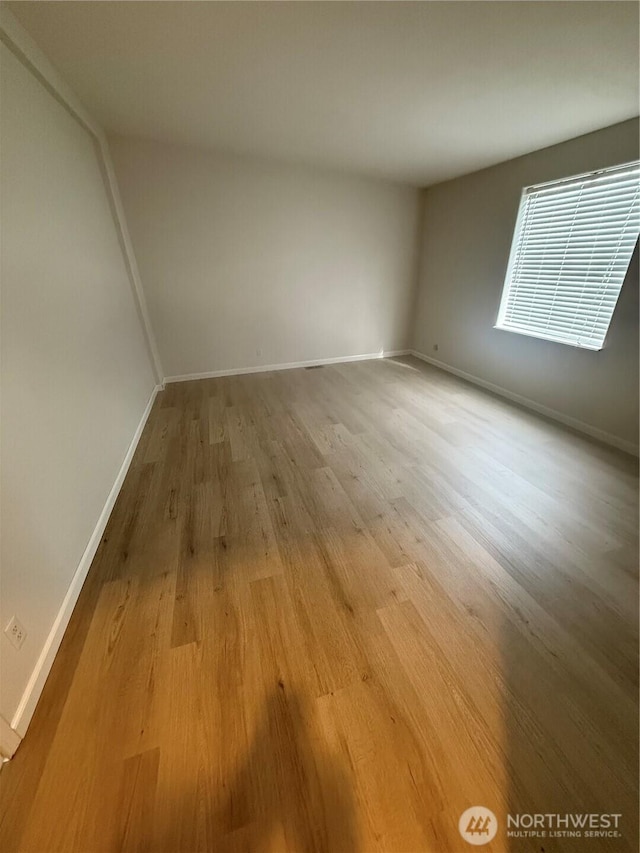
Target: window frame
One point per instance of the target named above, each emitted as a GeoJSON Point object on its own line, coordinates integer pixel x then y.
{"type": "Point", "coordinates": [506, 286]}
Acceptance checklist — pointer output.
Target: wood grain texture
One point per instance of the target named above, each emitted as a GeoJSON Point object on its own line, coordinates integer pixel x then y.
{"type": "Point", "coordinates": [333, 609]}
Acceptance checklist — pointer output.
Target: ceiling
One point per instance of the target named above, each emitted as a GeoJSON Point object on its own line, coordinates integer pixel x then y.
{"type": "Point", "coordinates": [416, 92]}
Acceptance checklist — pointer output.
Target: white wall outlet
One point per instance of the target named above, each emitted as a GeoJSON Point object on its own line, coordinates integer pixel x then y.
{"type": "Point", "coordinates": [15, 632]}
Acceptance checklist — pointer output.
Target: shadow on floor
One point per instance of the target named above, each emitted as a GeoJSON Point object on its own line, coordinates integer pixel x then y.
{"type": "Point", "coordinates": [287, 793]}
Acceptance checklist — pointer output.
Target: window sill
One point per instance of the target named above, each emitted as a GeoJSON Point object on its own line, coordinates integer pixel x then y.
{"type": "Point", "coordinates": [542, 337]}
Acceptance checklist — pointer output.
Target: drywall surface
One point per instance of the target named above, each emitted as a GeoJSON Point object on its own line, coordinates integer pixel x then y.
{"type": "Point", "coordinates": [248, 262]}
{"type": "Point", "coordinates": [76, 375]}
{"type": "Point", "coordinates": [468, 228]}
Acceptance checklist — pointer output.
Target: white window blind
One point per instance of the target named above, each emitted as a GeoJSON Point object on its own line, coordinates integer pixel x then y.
{"type": "Point", "coordinates": [571, 250]}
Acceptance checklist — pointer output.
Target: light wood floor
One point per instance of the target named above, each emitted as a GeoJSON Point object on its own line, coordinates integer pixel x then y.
{"type": "Point", "coordinates": [333, 609]}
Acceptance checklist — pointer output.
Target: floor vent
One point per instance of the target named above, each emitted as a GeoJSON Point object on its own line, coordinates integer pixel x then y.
{"type": "Point", "coordinates": [314, 367]}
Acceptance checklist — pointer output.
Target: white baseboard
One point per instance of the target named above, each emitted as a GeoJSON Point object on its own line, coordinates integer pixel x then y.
{"type": "Point", "coordinates": [580, 426]}
{"type": "Point", "coordinates": [9, 740]}
{"type": "Point", "coordinates": [24, 712]}
{"type": "Point", "coordinates": [265, 368]}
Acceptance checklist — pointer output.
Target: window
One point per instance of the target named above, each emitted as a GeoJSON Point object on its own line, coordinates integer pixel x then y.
{"type": "Point", "coordinates": [571, 250]}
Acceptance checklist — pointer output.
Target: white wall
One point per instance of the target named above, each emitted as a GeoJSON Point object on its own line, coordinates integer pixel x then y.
{"type": "Point", "coordinates": [239, 255]}
{"type": "Point", "coordinates": [468, 227]}
{"type": "Point", "coordinates": [76, 372]}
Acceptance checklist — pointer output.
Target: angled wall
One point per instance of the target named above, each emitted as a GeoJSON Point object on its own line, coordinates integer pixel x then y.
{"type": "Point", "coordinates": [77, 368]}
{"type": "Point", "coordinates": [468, 228]}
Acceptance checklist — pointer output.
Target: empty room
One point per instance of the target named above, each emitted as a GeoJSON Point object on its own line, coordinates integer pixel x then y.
{"type": "Point", "coordinates": [319, 426]}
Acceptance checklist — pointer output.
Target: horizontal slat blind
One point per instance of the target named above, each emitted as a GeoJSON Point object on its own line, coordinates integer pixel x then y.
{"type": "Point", "coordinates": [571, 250]}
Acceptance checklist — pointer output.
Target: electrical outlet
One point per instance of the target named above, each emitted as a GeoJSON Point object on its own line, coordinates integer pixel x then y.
{"type": "Point", "coordinates": [15, 632]}
{"type": "Point", "coordinates": [435, 347]}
